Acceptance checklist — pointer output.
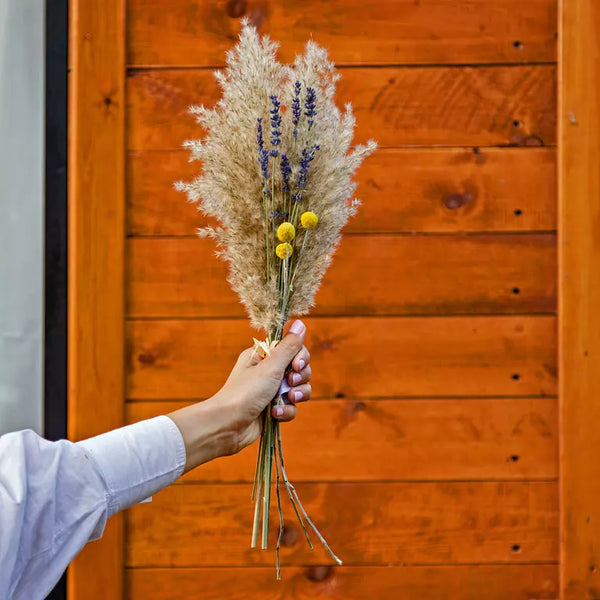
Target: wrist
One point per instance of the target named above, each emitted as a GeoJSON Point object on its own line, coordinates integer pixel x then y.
{"type": "Point", "coordinates": [206, 432]}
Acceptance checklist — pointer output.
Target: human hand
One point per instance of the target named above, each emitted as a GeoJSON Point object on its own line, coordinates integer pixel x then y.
{"type": "Point", "coordinates": [253, 383]}
{"type": "Point", "coordinates": [231, 419]}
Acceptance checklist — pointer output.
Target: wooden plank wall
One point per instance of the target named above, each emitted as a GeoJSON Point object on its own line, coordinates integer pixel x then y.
{"type": "Point", "coordinates": [429, 454]}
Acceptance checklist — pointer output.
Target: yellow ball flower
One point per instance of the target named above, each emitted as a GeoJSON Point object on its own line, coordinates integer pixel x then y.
{"type": "Point", "coordinates": [309, 220]}
{"type": "Point", "coordinates": [284, 250]}
{"type": "Point", "coordinates": [286, 232]}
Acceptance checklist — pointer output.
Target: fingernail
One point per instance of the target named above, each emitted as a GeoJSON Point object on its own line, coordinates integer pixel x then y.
{"type": "Point", "coordinates": [297, 327]}
{"type": "Point", "coordinates": [302, 363]}
{"type": "Point", "coordinates": [298, 396]}
{"type": "Point", "coordinates": [279, 411]}
{"type": "Point", "coordinates": [296, 378]}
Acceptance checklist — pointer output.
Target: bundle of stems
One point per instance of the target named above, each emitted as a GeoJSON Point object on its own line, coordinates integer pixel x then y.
{"type": "Point", "coordinates": [277, 175]}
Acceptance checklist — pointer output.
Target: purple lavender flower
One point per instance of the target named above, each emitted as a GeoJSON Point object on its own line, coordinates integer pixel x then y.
{"type": "Point", "coordinates": [296, 109]}
{"type": "Point", "coordinates": [275, 215]}
{"type": "Point", "coordinates": [308, 155]}
{"type": "Point", "coordinates": [275, 125]}
{"type": "Point", "coordinates": [286, 171]}
{"type": "Point", "coordinates": [310, 106]}
{"type": "Point", "coordinates": [263, 154]}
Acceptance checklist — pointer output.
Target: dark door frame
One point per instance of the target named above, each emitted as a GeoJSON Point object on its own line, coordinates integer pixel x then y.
{"type": "Point", "coordinates": [55, 246]}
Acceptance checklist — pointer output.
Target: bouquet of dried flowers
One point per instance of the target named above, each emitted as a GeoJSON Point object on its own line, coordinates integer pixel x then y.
{"type": "Point", "coordinates": [277, 174]}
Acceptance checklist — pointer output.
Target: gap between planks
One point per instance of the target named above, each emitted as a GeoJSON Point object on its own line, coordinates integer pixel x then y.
{"type": "Point", "coordinates": [359, 566]}
{"type": "Point", "coordinates": [353, 399]}
{"type": "Point", "coordinates": [132, 68]}
{"type": "Point", "coordinates": [356, 234]}
{"type": "Point", "coordinates": [160, 319]}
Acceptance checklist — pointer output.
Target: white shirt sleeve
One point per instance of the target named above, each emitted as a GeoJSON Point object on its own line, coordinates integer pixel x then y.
{"type": "Point", "coordinates": [57, 496]}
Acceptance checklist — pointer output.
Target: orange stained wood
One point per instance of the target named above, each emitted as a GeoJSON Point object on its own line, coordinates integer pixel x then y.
{"type": "Point", "coordinates": [366, 357]}
{"type": "Point", "coordinates": [398, 106]}
{"type": "Point", "coordinates": [368, 523]}
{"type": "Point", "coordinates": [322, 582]}
{"type": "Point", "coordinates": [429, 455]}
{"type": "Point", "coordinates": [96, 252]}
{"type": "Point", "coordinates": [403, 190]}
{"type": "Point", "coordinates": [579, 320]}
{"type": "Point", "coordinates": [400, 275]}
{"type": "Point", "coordinates": [198, 33]}
{"type": "Point", "coordinates": [428, 439]}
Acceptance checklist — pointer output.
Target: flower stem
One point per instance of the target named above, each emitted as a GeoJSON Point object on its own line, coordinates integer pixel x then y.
{"type": "Point", "coordinates": [267, 485]}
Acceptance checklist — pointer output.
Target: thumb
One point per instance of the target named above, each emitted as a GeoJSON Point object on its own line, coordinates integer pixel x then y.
{"type": "Point", "coordinates": [289, 346]}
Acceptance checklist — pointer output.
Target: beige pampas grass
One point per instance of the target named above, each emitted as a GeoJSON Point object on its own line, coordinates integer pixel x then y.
{"type": "Point", "coordinates": [230, 186]}
{"type": "Point", "coordinates": [277, 174]}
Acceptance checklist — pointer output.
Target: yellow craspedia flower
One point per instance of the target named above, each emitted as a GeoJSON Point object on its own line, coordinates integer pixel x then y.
{"type": "Point", "coordinates": [309, 220]}
{"type": "Point", "coordinates": [286, 232]}
{"type": "Point", "coordinates": [284, 250]}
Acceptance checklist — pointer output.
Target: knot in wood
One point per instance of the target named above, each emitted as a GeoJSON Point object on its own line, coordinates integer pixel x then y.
{"type": "Point", "coordinates": [289, 536]}
{"type": "Point", "coordinates": [454, 201]}
{"type": "Point", "coordinates": [236, 8]}
{"type": "Point", "coordinates": [318, 572]}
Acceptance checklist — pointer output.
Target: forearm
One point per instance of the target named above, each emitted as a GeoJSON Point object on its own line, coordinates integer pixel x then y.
{"type": "Point", "coordinates": [206, 431]}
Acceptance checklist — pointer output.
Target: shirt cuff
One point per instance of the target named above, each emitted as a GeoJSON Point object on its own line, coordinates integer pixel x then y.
{"type": "Point", "coordinates": [138, 460]}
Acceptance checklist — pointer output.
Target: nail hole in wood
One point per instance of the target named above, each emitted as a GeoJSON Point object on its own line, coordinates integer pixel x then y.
{"type": "Point", "coordinates": [146, 358]}
{"type": "Point", "coordinates": [514, 458]}
{"type": "Point", "coordinates": [518, 212]}
{"type": "Point", "coordinates": [340, 395]}
{"type": "Point", "coordinates": [516, 290]}
{"type": "Point", "coordinates": [516, 376]}
{"type": "Point", "coordinates": [107, 101]}
{"type": "Point", "coordinates": [516, 548]}
{"type": "Point", "coordinates": [518, 45]}
{"type": "Point", "coordinates": [592, 568]}
{"type": "Point", "coordinates": [517, 123]}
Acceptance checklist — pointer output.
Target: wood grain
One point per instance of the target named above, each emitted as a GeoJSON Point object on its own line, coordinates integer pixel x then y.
{"type": "Point", "coordinates": [579, 324]}
{"type": "Point", "coordinates": [96, 168]}
{"type": "Point", "coordinates": [403, 190]}
{"type": "Point", "coordinates": [437, 106]}
{"type": "Point", "coordinates": [394, 440]}
{"type": "Point", "coordinates": [356, 357]}
{"type": "Point", "coordinates": [367, 523]}
{"type": "Point", "coordinates": [497, 582]}
{"type": "Point", "coordinates": [163, 32]}
{"type": "Point", "coordinates": [399, 275]}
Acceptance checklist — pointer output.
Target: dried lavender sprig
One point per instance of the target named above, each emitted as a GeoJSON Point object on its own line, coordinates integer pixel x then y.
{"type": "Point", "coordinates": [275, 125]}
{"type": "Point", "coordinates": [296, 109]}
{"type": "Point", "coordinates": [263, 161]}
{"type": "Point", "coordinates": [310, 106]}
{"type": "Point", "coordinates": [263, 153]}
{"type": "Point", "coordinates": [286, 171]}
{"type": "Point", "coordinates": [308, 155]}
